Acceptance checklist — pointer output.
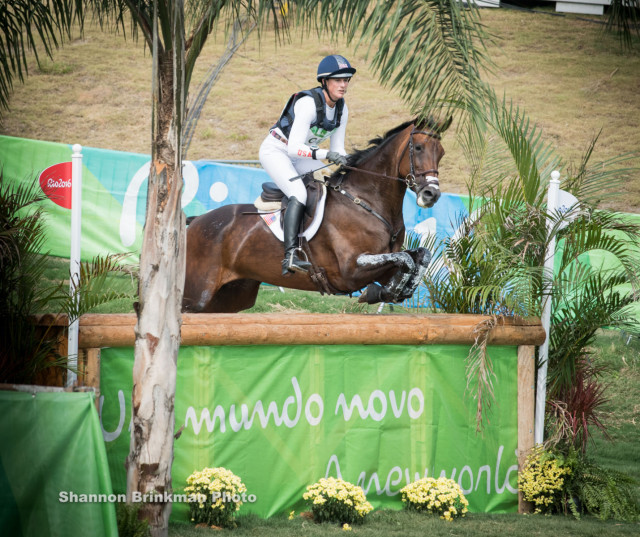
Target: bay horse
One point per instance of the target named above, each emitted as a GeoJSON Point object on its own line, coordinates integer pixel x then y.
{"type": "Point", "coordinates": [230, 250]}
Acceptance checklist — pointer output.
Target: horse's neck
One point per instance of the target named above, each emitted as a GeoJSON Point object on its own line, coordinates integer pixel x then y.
{"type": "Point", "coordinates": [386, 191]}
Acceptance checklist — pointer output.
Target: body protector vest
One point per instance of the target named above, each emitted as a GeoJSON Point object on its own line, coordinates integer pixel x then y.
{"type": "Point", "coordinates": [322, 124]}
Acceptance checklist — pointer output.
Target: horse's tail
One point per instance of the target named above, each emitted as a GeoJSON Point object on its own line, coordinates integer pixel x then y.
{"type": "Point", "coordinates": [190, 219]}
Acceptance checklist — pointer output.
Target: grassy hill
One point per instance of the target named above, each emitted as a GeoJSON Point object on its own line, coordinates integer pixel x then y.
{"type": "Point", "coordinates": [571, 79]}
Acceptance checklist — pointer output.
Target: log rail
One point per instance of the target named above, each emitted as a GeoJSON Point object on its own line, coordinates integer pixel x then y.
{"type": "Point", "coordinates": [117, 330]}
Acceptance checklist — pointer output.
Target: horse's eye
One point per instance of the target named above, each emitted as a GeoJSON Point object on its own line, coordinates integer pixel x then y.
{"type": "Point", "coordinates": [418, 148]}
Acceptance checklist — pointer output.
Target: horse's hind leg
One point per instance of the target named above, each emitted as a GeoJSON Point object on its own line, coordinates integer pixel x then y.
{"type": "Point", "coordinates": [233, 297]}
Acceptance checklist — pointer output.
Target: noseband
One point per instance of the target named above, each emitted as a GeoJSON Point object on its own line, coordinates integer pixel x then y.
{"type": "Point", "coordinates": [431, 176]}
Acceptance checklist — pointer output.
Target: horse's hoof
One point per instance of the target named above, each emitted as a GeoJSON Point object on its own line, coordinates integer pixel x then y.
{"type": "Point", "coordinates": [372, 294]}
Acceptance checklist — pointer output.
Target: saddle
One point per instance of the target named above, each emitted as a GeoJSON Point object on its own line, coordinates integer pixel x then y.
{"type": "Point", "coordinates": [273, 199]}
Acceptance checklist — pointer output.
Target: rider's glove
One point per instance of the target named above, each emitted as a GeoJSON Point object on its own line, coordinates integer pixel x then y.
{"type": "Point", "coordinates": [337, 158]}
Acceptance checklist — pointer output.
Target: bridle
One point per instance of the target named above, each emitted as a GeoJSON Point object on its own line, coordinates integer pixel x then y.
{"type": "Point", "coordinates": [431, 176]}
{"type": "Point", "coordinates": [410, 180]}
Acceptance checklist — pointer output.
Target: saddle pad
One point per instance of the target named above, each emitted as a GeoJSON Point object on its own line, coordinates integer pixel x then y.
{"type": "Point", "coordinates": [267, 206]}
{"type": "Point", "coordinates": [272, 219]}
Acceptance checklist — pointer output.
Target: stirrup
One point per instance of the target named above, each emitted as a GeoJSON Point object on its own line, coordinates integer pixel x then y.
{"type": "Point", "coordinates": [295, 263]}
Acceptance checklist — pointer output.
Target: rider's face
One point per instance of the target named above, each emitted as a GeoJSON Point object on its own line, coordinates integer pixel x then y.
{"type": "Point", "coordinates": [337, 87]}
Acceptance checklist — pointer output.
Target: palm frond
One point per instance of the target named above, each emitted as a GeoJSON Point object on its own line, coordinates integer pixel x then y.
{"type": "Point", "coordinates": [517, 151]}
{"type": "Point", "coordinates": [623, 18]}
{"type": "Point", "coordinates": [480, 372]}
{"type": "Point", "coordinates": [594, 183]}
{"type": "Point", "coordinates": [431, 52]}
{"type": "Point", "coordinates": [96, 285]}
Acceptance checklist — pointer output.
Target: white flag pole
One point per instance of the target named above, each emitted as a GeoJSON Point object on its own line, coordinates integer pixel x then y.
{"type": "Point", "coordinates": [74, 258]}
{"type": "Point", "coordinates": [541, 392]}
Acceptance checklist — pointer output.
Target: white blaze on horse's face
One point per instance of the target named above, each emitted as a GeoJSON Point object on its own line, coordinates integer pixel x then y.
{"type": "Point", "coordinates": [422, 159]}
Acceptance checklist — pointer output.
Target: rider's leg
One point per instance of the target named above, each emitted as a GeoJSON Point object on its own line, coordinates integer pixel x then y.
{"type": "Point", "coordinates": [276, 162]}
{"type": "Point", "coordinates": [291, 225]}
{"type": "Point", "coordinates": [278, 165]}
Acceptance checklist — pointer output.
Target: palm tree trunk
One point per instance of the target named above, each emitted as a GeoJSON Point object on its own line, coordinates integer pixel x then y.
{"type": "Point", "coordinates": [160, 297]}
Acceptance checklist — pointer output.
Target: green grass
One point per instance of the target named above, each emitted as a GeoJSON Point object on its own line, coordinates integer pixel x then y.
{"type": "Point", "coordinates": [277, 300]}
{"type": "Point", "coordinates": [621, 414]}
{"type": "Point", "coordinates": [55, 68]}
{"type": "Point", "coordinates": [403, 524]}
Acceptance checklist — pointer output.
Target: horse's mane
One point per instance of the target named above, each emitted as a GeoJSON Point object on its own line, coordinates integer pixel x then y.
{"type": "Point", "coordinates": [359, 156]}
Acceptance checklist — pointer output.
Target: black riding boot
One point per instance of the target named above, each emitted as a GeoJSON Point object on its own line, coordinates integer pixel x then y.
{"type": "Point", "coordinates": [292, 219]}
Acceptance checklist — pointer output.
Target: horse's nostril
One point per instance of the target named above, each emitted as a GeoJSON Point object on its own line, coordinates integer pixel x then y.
{"type": "Point", "coordinates": [428, 197]}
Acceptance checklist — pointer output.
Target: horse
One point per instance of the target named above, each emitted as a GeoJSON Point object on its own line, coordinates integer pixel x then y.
{"type": "Point", "coordinates": [231, 251]}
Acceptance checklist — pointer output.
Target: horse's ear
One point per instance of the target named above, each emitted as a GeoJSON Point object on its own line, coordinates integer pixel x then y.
{"type": "Point", "coordinates": [444, 126]}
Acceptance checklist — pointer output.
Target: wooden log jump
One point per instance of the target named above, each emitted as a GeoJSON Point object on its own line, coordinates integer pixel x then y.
{"type": "Point", "coordinates": [118, 330]}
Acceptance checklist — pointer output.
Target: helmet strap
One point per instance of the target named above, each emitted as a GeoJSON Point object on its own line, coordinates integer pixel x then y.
{"type": "Point", "coordinates": [324, 87]}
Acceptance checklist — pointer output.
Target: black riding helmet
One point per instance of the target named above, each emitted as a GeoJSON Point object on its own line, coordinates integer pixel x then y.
{"type": "Point", "coordinates": [334, 66]}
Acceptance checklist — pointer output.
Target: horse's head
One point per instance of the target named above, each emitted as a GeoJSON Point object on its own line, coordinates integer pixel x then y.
{"type": "Point", "coordinates": [420, 158]}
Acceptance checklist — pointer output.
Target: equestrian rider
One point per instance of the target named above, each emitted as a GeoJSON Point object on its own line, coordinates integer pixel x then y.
{"type": "Point", "coordinates": [291, 148]}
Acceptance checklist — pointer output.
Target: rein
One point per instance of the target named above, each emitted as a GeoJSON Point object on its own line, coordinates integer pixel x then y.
{"type": "Point", "coordinates": [410, 179]}
{"type": "Point", "coordinates": [370, 210]}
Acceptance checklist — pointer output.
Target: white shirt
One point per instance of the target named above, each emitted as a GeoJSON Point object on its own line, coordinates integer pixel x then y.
{"type": "Point", "coordinates": [302, 136]}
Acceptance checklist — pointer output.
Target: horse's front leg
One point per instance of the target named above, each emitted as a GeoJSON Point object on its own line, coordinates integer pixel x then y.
{"type": "Point", "coordinates": [375, 293]}
{"type": "Point", "coordinates": [422, 259]}
{"type": "Point", "coordinates": [412, 264]}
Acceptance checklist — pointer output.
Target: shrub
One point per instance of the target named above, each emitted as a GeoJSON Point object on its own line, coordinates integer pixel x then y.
{"type": "Point", "coordinates": [442, 497]}
{"type": "Point", "coordinates": [28, 352]}
{"type": "Point", "coordinates": [336, 500]}
{"type": "Point", "coordinates": [557, 482]}
{"type": "Point", "coordinates": [129, 524]}
{"type": "Point", "coordinates": [601, 492]}
{"type": "Point", "coordinates": [542, 480]}
{"type": "Point", "coordinates": [221, 493]}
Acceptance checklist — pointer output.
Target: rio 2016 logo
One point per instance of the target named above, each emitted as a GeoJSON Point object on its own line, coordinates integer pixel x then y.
{"type": "Point", "coordinates": [55, 182]}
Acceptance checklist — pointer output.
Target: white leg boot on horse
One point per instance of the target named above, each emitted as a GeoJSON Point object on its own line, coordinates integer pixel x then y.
{"type": "Point", "coordinates": [291, 226]}
{"type": "Point", "coordinates": [412, 265]}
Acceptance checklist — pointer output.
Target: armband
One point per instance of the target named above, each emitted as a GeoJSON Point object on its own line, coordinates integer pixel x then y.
{"type": "Point", "coordinates": [314, 148]}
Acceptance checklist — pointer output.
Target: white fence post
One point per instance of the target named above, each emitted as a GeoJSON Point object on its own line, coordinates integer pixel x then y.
{"type": "Point", "coordinates": [541, 392]}
{"type": "Point", "coordinates": [74, 258]}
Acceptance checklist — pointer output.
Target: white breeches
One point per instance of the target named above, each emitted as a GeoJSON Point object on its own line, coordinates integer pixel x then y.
{"type": "Point", "coordinates": [281, 167]}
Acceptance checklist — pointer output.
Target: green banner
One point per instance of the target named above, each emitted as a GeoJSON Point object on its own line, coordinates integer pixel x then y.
{"type": "Point", "coordinates": [54, 477]}
{"type": "Point", "coordinates": [114, 187]}
{"type": "Point", "coordinates": [105, 179]}
{"type": "Point", "coordinates": [282, 417]}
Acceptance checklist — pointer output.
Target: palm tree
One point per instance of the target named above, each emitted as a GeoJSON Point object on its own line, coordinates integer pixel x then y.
{"type": "Point", "coordinates": [431, 51]}
{"type": "Point", "coordinates": [28, 352]}
{"type": "Point", "coordinates": [494, 264]}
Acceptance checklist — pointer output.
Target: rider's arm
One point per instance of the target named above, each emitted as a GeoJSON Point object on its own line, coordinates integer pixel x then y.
{"type": "Point", "coordinates": [304, 114]}
{"type": "Point", "coordinates": [337, 138]}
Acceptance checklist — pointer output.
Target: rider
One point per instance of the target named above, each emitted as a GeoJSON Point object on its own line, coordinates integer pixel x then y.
{"type": "Point", "coordinates": [291, 148]}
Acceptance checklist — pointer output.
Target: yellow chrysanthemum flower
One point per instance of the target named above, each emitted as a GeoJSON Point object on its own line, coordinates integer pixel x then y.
{"type": "Point", "coordinates": [441, 496]}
